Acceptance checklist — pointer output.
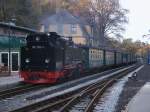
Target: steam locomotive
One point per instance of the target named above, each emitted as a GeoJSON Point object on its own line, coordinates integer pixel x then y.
{"type": "Point", "coordinates": [49, 58]}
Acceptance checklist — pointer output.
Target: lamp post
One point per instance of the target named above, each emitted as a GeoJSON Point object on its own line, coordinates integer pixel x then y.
{"type": "Point", "coordinates": [9, 51]}
{"type": "Point", "coordinates": [9, 44]}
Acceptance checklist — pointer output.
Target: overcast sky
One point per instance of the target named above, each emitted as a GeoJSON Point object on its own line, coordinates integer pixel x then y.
{"type": "Point", "coordinates": [139, 18]}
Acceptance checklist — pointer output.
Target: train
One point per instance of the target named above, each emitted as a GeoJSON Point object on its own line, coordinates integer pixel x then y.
{"type": "Point", "coordinates": [48, 58]}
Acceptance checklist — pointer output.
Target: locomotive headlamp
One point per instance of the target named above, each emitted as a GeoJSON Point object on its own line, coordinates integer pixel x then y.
{"type": "Point", "coordinates": [27, 60]}
{"type": "Point", "coordinates": [48, 34]}
{"type": "Point", "coordinates": [47, 60]}
{"type": "Point", "coordinates": [37, 38]}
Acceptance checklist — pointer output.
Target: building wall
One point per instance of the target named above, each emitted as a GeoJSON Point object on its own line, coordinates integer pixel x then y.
{"type": "Point", "coordinates": [79, 40]}
{"type": "Point", "coordinates": [69, 30]}
{"type": "Point", "coordinates": [52, 28]}
{"type": "Point", "coordinates": [66, 29]}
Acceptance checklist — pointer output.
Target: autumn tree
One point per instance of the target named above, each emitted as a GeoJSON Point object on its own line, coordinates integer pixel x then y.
{"type": "Point", "coordinates": [21, 10]}
{"type": "Point", "coordinates": [128, 45]}
{"type": "Point", "coordinates": [106, 17]}
{"type": "Point", "coordinates": [109, 16]}
{"type": "Point", "coordinates": [139, 48]}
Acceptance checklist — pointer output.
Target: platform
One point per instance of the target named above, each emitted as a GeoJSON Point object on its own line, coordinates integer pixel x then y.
{"type": "Point", "coordinates": [8, 80]}
{"type": "Point", "coordinates": [141, 101]}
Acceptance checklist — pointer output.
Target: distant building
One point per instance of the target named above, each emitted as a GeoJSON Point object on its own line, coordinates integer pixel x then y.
{"type": "Point", "coordinates": [12, 29]}
{"type": "Point", "coordinates": [68, 25]}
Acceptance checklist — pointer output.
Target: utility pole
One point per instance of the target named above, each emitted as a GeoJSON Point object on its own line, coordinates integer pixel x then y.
{"type": "Point", "coordinates": [9, 43]}
{"type": "Point", "coordinates": [9, 50]}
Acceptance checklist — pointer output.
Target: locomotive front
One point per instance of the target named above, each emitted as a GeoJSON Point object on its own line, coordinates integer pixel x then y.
{"type": "Point", "coordinates": [40, 62]}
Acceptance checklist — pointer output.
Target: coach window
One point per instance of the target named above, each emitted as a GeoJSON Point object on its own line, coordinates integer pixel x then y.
{"type": "Point", "coordinates": [91, 52]}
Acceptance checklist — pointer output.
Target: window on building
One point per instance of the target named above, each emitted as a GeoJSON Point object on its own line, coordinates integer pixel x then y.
{"type": "Point", "coordinates": [60, 28]}
{"type": "Point", "coordinates": [73, 28]}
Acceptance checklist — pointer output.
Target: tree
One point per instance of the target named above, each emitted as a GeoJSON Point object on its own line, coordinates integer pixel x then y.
{"type": "Point", "coordinates": [25, 15]}
{"type": "Point", "coordinates": [139, 48]}
{"type": "Point", "coordinates": [110, 17]}
{"type": "Point", "coordinates": [22, 10]}
{"type": "Point", "coordinates": [128, 45]}
{"type": "Point", "coordinates": [106, 17]}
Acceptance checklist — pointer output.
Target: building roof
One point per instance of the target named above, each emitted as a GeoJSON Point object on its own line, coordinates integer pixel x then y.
{"type": "Point", "coordinates": [63, 17]}
{"type": "Point", "coordinates": [23, 29]}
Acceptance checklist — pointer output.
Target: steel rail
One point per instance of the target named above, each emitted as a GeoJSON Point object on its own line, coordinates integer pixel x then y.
{"type": "Point", "coordinates": [101, 88]}
{"type": "Point", "coordinates": [72, 99]}
{"type": "Point", "coordinates": [65, 102]}
{"type": "Point", "coordinates": [98, 94]}
{"type": "Point", "coordinates": [71, 102]}
{"type": "Point", "coordinates": [19, 90]}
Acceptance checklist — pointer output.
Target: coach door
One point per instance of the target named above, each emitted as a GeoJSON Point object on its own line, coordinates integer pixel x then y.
{"type": "Point", "coordinates": [14, 61]}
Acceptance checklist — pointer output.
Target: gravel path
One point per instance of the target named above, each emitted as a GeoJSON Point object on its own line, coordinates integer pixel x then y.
{"type": "Point", "coordinates": [132, 86]}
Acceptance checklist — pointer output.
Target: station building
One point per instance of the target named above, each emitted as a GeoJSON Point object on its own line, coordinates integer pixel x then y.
{"type": "Point", "coordinates": [12, 37]}
{"type": "Point", "coordinates": [68, 25]}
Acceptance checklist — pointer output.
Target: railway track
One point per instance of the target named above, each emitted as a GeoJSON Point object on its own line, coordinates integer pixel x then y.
{"type": "Point", "coordinates": [19, 90]}
{"type": "Point", "coordinates": [65, 102]}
